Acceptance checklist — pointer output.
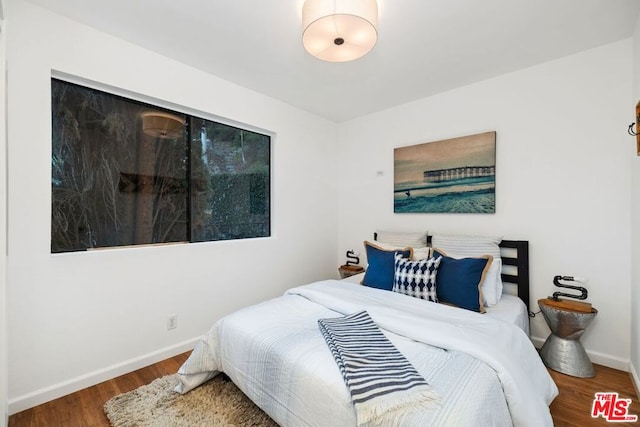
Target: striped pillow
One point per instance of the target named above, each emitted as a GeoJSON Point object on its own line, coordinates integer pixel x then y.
{"type": "Point", "coordinates": [468, 245]}
{"type": "Point", "coordinates": [403, 238]}
{"type": "Point", "coordinates": [418, 253]}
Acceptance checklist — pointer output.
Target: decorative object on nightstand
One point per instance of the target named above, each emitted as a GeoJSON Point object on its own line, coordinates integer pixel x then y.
{"type": "Point", "coordinates": [351, 267]}
{"type": "Point", "coordinates": [563, 351]}
{"type": "Point", "coordinates": [636, 133]}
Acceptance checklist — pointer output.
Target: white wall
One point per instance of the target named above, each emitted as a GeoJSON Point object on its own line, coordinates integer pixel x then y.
{"type": "Point", "coordinates": [562, 179]}
{"type": "Point", "coordinates": [635, 214]}
{"type": "Point", "coordinates": [76, 319]}
{"type": "Point", "coordinates": [4, 414]}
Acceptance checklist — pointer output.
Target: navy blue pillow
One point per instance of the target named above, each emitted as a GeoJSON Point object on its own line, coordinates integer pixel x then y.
{"type": "Point", "coordinates": [459, 281]}
{"type": "Point", "coordinates": [381, 268]}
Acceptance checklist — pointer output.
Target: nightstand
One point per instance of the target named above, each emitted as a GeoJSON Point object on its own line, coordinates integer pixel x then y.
{"type": "Point", "coordinates": [349, 270]}
{"type": "Point", "coordinates": [563, 351]}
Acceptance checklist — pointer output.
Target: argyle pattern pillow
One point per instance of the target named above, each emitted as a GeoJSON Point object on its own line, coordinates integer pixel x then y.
{"type": "Point", "coordinates": [416, 278]}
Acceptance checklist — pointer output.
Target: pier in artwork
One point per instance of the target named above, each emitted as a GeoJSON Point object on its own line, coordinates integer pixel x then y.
{"type": "Point", "coordinates": [437, 175]}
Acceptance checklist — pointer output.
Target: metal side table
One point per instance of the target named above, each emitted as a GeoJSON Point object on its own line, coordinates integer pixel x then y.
{"type": "Point", "coordinates": [563, 351]}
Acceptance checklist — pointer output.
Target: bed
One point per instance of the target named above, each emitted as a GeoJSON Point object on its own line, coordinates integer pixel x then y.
{"type": "Point", "coordinates": [483, 367]}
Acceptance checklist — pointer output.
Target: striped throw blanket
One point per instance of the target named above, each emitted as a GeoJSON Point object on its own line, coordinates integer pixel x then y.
{"type": "Point", "coordinates": [379, 378]}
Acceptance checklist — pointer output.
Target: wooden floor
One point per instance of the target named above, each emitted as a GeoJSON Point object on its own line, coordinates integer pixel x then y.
{"type": "Point", "coordinates": [84, 408]}
{"type": "Point", "coordinates": [573, 405]}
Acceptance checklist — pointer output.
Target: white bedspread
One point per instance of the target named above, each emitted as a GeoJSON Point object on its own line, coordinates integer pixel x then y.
{"type": "Point", "coordinates": [489, 374]}
{"type": "Point", "coordinates": [509, 308]}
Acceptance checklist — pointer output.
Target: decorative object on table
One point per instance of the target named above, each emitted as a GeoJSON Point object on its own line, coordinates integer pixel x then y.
{"type": "Point", "coordinates": [636, 133]}
{"type": "Point", "coordinates": [556, 301]}
{"type": "Point", "coordinates": [351, 267]}
{"type": "Point", "coordinates": [567, 319]}
{"type": "Point", "coordinates": [352, 258]}
{"type": "Point", "coordinates": [450, 176]}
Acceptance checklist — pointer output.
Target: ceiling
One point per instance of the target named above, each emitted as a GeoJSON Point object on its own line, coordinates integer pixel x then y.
{"type": "Point", "coordinates": [424, 46]}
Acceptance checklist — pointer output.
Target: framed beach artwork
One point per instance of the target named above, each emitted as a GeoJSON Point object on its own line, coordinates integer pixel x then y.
{"type": "Point", "coordinates": [455, 175]}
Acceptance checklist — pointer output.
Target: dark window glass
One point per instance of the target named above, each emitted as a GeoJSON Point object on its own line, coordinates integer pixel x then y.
{"type": "Point", "coordinates": [124, 173]}
{"type": "Point", "coordinates": [230, 176]}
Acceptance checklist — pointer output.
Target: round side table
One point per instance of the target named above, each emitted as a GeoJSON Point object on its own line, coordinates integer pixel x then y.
{"type": "Point", "coordinates": [349, 270]}
{"type": "Point", "coordinates": [563, 351]}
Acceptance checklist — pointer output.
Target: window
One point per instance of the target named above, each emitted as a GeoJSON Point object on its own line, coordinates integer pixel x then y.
{"type": "Point", "coordinates": [129, 173]}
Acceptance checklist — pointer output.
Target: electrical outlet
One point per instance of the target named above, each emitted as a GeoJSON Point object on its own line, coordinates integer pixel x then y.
{"type": "Point", "coordinates": [172, 322]}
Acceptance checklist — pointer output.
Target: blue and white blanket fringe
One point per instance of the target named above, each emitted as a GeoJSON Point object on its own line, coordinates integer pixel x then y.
{"type": "Point", "coordinates": [379, 378]}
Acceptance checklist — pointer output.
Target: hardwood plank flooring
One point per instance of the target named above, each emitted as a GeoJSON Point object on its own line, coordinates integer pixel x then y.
{"type": "Point", "coordinates": [84, 408]}
{"type": "Point", "coordinates": [573, 405]}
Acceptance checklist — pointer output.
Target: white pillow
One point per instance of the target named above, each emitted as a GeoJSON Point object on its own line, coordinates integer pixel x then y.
{"type": "Point", "coordinates": [403, 238]}
{"type": "Point", "coordinates": [418, 253]}
{"type": "Point", "coordinates": [460, 246]}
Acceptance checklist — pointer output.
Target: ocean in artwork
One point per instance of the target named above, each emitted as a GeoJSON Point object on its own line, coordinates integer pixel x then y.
{"type": "Point", "coordinates": [455, 175]}
{"type": "Point", "coordinates": [452, 196]}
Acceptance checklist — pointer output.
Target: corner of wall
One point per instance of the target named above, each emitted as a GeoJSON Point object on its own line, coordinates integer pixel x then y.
{"type": "Point", "coordinates": [635, 229]}
{"type": "Point", "coordinates": [596, 357]}
{"type": "Point", "coordinates": [634, 378]}
{"type": "Point", "coordinates": [4, 370]}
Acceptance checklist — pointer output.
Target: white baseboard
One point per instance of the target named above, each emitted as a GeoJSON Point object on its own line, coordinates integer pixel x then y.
{"type": "Point", "coordinates": [634, 378]}
{"type": "Point", "coordinates": [55, 391]}
{"type": "Point", "coordinates": [596, 357]}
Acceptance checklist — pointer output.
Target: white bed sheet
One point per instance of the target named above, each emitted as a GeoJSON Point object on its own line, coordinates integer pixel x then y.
{"type": "Point", "coordinates": [512, 310]}
{"type": "Point", "coordinates": [509, 308]}
{"type": "Point", "coordinates": [275, 353]}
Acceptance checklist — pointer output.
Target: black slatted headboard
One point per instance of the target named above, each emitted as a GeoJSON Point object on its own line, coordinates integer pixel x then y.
{"type": "Point", "coordinates": [515, 253]}
{"type": "Point", "coordinates": [515, 261]}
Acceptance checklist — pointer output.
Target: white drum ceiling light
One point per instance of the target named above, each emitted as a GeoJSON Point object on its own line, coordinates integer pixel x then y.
{"type": "Point", "coordinates": [339, 30]}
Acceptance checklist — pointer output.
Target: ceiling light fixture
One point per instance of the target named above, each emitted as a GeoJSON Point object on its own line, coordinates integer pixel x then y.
{"type": "Point", "coordinates": [339, 30]}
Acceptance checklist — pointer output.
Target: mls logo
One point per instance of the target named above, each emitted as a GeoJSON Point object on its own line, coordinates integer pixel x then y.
{"type": "Point", "coordinates": [611, 408]}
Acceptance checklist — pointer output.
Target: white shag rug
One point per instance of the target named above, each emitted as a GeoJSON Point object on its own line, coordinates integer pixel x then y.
{"type": "Point", "coordinates": [217, 403]}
